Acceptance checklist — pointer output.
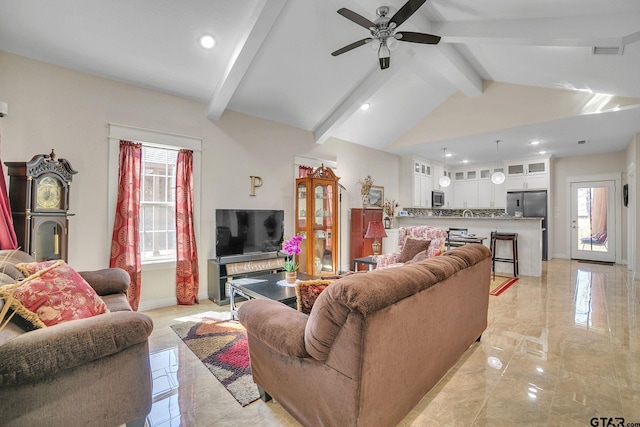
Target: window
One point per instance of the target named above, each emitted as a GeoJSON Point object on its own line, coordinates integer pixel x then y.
{"type": "Point", "coordinates": [157, 188]}
{"type": "Point", "coordinates": [157, 204]}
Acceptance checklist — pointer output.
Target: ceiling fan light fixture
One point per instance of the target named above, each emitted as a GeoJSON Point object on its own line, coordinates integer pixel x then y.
{"type": "Point", "coordinates": [384, 55]}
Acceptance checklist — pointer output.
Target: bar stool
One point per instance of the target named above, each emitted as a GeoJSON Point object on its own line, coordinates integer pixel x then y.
{"type": "Point", "coordinates": [513, 237]}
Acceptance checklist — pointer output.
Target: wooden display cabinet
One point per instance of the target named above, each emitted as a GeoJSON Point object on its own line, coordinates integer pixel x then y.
{"type": "Point", "coordinates": [317, 222]}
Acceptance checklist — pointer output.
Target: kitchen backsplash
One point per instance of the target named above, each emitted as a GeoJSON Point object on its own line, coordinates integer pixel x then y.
{"type": "Point", "coordinates": [454, 212]}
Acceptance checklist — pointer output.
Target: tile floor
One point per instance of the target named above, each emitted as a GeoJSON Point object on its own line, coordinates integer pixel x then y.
{"type": "Point", "coordinates": [558, 351]}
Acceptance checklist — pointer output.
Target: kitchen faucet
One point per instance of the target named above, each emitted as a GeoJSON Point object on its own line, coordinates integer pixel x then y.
{"type": "Point", "coordinates": [467, 211]}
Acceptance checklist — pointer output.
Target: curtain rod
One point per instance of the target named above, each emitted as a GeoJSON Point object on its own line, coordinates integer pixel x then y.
{"type": "Point", "coordinates": [165, 140]}
{"type": "Point", "coordinates": [156, 131]}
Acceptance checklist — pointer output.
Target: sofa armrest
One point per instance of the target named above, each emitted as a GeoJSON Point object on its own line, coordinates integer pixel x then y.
{"type": "Point", "coordinates": [107, 281]}
{"type": "Point", "coordinates": [276, 325]}
{"type": "Point", "coordinates": [386, 260]}
{"type": "Point", "coordinates": [41, 353]}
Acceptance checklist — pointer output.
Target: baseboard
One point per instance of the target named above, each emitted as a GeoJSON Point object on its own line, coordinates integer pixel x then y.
{"type": "Point", "coordinates": [562, 256]}
{"type": "Point", "coordinates": [156, 303]}
{"type": "Point", "coordinates": [165, 302]}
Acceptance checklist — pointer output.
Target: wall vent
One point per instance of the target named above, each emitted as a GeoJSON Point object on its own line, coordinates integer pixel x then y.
{"type": "Point", "coordinates": [608, 50]}
{"type": "Point", "coordinates": [582, 141]}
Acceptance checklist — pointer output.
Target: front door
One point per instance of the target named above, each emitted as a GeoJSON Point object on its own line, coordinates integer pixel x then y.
{"type": "Point", "coordinates": [593, 221]}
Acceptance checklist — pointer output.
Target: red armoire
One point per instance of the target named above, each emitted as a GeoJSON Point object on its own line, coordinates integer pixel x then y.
{"type": "Point", "coordinates": [360, 219]}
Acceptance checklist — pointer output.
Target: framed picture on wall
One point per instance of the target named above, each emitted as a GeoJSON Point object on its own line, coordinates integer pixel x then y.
{"type": "Point", "coordinates": [376, 198]}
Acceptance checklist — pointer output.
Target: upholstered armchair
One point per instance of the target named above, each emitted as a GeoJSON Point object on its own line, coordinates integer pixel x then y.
{"type": "Point", "coordinates": [437, 236]}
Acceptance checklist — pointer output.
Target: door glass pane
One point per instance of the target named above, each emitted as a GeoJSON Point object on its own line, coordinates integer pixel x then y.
{"type": "Point", "coordinates": [592, 219]}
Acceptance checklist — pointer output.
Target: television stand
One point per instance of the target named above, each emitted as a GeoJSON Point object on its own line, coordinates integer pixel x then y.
{"type": "Point", "coordinates": [225, 268]}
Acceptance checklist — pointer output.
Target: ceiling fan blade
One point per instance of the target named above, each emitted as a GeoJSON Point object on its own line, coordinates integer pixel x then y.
{"type": "Point", "coordinates": [358, 19]}
{"type": "Point", "coordinates": [408, 36]}
{"type": "Point", "coordinates": [406, 11]}
{"type": "Point", "coordinates": [353, 45]}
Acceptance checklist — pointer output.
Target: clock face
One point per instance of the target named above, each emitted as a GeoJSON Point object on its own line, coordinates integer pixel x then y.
{"type": "Point", "coordinates": [49, 193]}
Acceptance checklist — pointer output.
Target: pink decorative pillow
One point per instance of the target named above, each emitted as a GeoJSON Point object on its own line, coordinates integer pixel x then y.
{"type": "Point", "coordinates": [29, 268]}
{"type": "Point", "coordinates": [411, 248]}
{"type": "Point", "coordinates": [58, 294]}
{"type": "Point", "coordinates": [307, 292]}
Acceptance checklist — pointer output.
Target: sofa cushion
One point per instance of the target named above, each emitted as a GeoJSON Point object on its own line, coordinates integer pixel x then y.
{"type": "Point", "coordinates": [420, 256]}
{"type": "Point", "coordinates": [307, 291]}
{"type": "Point", "coordinates": [412, 247]}
{"type": "Point", "coordinates": [57, 294]}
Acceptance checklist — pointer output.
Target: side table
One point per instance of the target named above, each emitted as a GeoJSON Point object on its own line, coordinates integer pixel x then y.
{"type": "Point", "coordinates": [367, 260]}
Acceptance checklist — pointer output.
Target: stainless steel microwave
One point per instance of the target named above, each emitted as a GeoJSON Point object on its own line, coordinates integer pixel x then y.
{"type": "Point", "coordinates": [437, 198]}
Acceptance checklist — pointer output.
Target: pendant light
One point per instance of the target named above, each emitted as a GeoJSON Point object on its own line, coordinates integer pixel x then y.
{"type": "Point", "coordinates": [497, 177]}
{"type": "Point", "coordinates": [444, 180]}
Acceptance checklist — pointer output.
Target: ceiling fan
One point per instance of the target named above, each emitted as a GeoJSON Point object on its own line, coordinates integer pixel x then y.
{"type": "Point", "coordinates": [384, 28]}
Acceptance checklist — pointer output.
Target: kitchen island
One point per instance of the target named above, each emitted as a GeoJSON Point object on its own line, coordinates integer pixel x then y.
{"type": "Point", "coordinates": [529, 237]}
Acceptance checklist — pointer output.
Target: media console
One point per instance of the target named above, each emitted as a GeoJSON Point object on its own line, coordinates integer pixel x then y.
{"type": "Point", "coordinates": [225, 268]}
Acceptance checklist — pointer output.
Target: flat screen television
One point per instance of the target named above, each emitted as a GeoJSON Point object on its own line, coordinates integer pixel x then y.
{"type": "Point", "coordinates": [245, 231]}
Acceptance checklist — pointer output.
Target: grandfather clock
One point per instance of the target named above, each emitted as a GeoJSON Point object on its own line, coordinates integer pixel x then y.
{"type": "Point", "coordinates": [39, 195]}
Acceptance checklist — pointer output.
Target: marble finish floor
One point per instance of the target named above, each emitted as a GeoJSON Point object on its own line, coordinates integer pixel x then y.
{"type": "Point", "coordinates": [559, 350]}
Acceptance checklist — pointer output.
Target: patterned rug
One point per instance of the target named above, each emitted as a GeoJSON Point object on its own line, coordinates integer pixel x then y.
{"type": "Point", "coordinates": [500, 284]}
{"type": "Point", "coordinates": [222, 346]}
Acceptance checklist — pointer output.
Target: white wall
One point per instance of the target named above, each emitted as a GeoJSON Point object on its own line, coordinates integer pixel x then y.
{"type": "Point", "coordinates": [632, 159]}
{"type": "Point", "coordinates": [54, 107]}
{"type": "Point", "coordinates": [561, 168]}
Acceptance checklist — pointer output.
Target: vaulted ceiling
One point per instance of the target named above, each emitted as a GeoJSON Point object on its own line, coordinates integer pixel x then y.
{"type": "Point", "coordinates": [514, 71]}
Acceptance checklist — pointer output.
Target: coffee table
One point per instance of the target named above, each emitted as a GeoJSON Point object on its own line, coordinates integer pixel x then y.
{"type": "Point", "coordinates": [264, 286]}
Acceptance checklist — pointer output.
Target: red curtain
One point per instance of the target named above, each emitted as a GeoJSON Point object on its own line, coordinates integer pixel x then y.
{"type": "Point", "coordinates": [125, 244]}
{"type": "Point", "coordinates": [186, 252]}
{"type": "Point", "coordinates": [304, 171]}
{"type": "Point", "coordinates": [8, 239]}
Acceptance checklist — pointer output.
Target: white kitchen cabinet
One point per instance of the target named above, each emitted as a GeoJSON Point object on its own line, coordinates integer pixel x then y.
{"type": "Point", "coordinates": [528, 175]}
{"type": "Point", "coordinates": [465, 189]}
{"type": "Point", "coordinates": [422, 186]}
{"type": "Point", "coordinates": [416, 182]}
{"type": "Point", "coordinates": [439, 172]}
{"type": "Point", "coordinates": [490, 195]}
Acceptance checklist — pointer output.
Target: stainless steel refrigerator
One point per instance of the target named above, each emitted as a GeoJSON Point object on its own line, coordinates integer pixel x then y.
{"type": "Point", "coordinates": [531, 204]}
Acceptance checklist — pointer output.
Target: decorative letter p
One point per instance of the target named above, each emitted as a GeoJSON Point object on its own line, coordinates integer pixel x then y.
{"type": "Point", "coordinates": [256, 182]}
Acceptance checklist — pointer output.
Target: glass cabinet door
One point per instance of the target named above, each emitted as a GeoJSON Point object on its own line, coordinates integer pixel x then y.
{"type": "Point", "coordinates": [317, 222]}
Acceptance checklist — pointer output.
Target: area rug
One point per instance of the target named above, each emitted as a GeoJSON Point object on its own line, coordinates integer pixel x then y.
{"type": "Point", "coordinates": [499, 284]}
{"type": "Point", "coordinates": [222, 346]}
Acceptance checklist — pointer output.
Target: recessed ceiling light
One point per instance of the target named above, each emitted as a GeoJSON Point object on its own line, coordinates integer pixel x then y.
{"type": "Point", "coordinates": [448, 155]}
{"type": "Point", "coordinates": [365, 106]}
{"type": "Point", "coordinates": [535, 142]}
{"type": "Point", "coordinates": [465, 161]}
{"type": "Point", "coordinates": [207, 41]}
{"type": "Point", "coordinates": [542, 152]}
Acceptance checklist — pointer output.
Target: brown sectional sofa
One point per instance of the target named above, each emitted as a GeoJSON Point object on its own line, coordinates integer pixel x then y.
{"type": "Point", "coordinates": [374, 344]}
{"type": "Point", "coordinates": [89, 372]}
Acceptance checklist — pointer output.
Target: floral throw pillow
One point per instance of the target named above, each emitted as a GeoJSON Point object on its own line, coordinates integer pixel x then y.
{"type": "Point", "coordinates": [307, 292]}
{"type": "Point", "coordinates": [29, 268]}
{"type": "Point", "coordinates": [57, 294]}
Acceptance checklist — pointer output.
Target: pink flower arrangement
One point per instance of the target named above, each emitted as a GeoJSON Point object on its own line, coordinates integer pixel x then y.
{"type": "Point", "coordinates": [291, 247]}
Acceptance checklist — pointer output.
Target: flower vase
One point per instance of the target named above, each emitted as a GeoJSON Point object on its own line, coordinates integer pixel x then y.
{"type": "Point", "coordinates": [291, 276]}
